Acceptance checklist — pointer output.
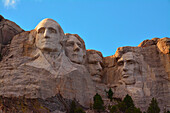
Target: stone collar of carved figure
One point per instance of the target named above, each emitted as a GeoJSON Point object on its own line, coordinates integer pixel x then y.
{"type": "Point", "coordinates": [49, 35]}
{"type": "Point", "coordinates": [95, 66]}
{"type": "Point", "coordinates": [126, 66]}
{"type": "Point", "coordinates": [74, 49]}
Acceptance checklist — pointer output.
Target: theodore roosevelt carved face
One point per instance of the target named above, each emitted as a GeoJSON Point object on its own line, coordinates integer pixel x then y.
{"type": "Point", "coordinates": [127, 66]}
{"type": "Point", "coordinates": [75, 48]}
{"type": "Point", "coordinates": [95, 61]}
{"type": "Point", "coordinates": [49, 34]}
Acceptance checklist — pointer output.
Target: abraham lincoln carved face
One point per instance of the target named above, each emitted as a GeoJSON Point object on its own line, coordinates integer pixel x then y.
{"type": "Point", "coordinates": [127, 66]}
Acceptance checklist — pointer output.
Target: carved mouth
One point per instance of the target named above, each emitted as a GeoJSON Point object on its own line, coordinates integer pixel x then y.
{"type": "Point", "coordinates": [46, 41]}
{"type": "Point", "coordinates": [125, 75]}
{"type": "Point", "coordinates": [96, 75]}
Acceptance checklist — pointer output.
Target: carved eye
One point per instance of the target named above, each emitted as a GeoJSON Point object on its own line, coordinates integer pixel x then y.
{"type": "Point", "coordinates": [120, 63]}
{"type": "Point", "coordinates": [52, 30]}
{"type": "Point", "coordinates": [130, 62]}
{"type": "Point", "coordinates": [79, 45]}
{"type": "Point", "coordinates": [70, 43]}
{"type": "Point", "coordinates": [41, 30]}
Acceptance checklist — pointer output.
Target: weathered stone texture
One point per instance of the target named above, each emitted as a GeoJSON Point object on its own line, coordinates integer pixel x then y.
{"type": "Point", "coordinates": [32, 67]}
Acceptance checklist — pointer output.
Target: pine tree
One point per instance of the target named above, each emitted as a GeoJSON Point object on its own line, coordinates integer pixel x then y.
{"type": "Point", "coordinates": [98, 103]}
{"type": "Point", "coordinates": [72, 107]}
{"type": "Point", "coordinates": [79, 110]}
{"type": "Point", "coordinates": [128, 101]}
{"type": "Point", "coordinates": [153, 106]}
{"type": "Point", "coordinates": [110, 94]}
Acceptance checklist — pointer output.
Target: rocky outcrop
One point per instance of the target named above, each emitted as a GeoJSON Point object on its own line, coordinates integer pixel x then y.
{"type": "Point", "coordinates": [49, 69]}
{"type": "Point", "coordinates": [149, 66]}
{"type": "Point", "coordinates": [8, 30]}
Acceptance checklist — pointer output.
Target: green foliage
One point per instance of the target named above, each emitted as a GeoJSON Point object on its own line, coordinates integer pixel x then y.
{"type": "Point", "coordinates": [125, 106]}
{"type": "Point", "coordinates": [122, 106]}
{"type": "Point", "coordinates": [133, 110]}
{"type": "Point", "coordinates": [128, 101]}
{"type": "Point", "coordinates": [72, 107]}
{"type": "Point", "coordinates": [75, 109]}
{"type": "Point", "coordinates": [113, 109]}
{"type": "Point", "coordinates": [109, 94]}
{"type": "Point", "coordinates": [153, 106]}
{"type": "Point", "coordinates": [98, 102]}
{"type": "Point", "coordinates": [79, 110]}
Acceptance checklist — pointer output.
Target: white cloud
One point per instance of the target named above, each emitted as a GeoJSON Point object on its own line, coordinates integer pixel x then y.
{"type": "Point", "coordinates": [10, 3]}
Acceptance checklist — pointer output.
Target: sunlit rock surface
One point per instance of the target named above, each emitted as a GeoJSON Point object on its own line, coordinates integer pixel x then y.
{"type": "Point", "coordinates": [50, 68]}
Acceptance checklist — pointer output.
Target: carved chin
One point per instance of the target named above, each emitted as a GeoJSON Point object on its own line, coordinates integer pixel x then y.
{"type": "Point", "coordinates": [129, 81]}
{"type": "Point", "coordinates": [96, 78]}
{"type": "Point", "coordinates": [77, 60]}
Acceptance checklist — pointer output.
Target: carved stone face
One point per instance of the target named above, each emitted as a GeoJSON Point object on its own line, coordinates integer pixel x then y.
{"type": "Point", "coordinates": [164, 45]}
{"type": "Point", "coordinates": [126, 66]}
{"type": "Point", "coordinates": [74, 50]}
{"type": "Point", "coordinates": [48, 36]}
{"type": "Point", "coordinates": [94, 66]}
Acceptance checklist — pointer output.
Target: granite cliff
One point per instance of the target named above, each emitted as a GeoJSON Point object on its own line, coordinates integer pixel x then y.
{"type": "Point", "coordinates": [44, 70]}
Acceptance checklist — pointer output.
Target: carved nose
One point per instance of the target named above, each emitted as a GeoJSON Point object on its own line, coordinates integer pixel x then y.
{"type": "Point", "coordinates": [125, 68]}
{"type": "Point", "coordinates": [99, 67]}
{"type": "Point", "coordinates": [46, 34]}
{"type": "Point", "coordinates": [76, 47]}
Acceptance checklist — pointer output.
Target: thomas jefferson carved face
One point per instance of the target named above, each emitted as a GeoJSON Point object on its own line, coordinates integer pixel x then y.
{"type": "Point", "coordinates": [48, 35]}
{"type": "Point", "coordinates": [94, 65]}
{"type": "Point", "coordinates": [127, 66]}
{"type": "Point", "coordinates": [74, 49]}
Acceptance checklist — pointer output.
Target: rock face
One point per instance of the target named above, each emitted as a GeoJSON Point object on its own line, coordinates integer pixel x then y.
{"type": "Point", "coordinates": [142, 72]}
{"type": "Point", "coordinates": [8, 30]}
{"type": "Point", "coordinates": [50, 68]}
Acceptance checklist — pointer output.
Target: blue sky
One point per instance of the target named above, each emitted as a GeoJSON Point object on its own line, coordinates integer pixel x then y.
{"type": "Point", "coordinates": [104, 25]}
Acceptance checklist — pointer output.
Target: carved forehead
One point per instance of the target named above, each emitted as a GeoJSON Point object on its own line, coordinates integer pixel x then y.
{"type": "Point", "coordinates": [48, 23]}
{"type": "Point", "coordinates": [73, 38]}
{"type": "Point", "coordinates": [68, 36]}
{"type": "Point", "coordinates": [94, 56]}
{"type": "Point", "coordinates": [127, 56]}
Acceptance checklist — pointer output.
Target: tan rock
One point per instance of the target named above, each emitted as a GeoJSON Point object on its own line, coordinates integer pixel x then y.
{"type": "Point", "coordinates": [95, 64]}
{"type": "Point", "coordinates": [8, 30]}
{"type": "Point", "coordinates": [152, 70]}
{"type": "Point", "coordinates": [45, 64]}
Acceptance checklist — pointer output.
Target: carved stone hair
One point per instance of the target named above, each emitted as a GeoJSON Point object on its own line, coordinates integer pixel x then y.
{"type": "Point", "coordinates": [33, 33]}
{"type": "Point", "coordinates": [90, 51]}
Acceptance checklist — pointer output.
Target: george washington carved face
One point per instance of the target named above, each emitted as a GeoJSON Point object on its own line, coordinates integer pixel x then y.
{"type": "Point", "coordinates": [48, 35]}
{"type": "Point", "coordinates": [127, 66]}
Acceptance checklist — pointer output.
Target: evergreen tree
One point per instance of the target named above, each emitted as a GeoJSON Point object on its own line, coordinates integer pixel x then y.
{"type": "Point", "coordinates": [72, 107]}
{"type": "Point", "coordinates": [122, 106]}
{"type": "Point", "coordinates": [79, 110]}
{"type": "Point", "coordinates": [128, 102]}
{"type": "Point", "coordinates": [133, 110]}
{"type": "Point", "coordinates": [110, 94]}
{"type": "Point", "coordinates": [98, 103]}
{"type": "Point", "coordinates": [153, 106]}
{"type": "Point", "coordinates": [113, 109]}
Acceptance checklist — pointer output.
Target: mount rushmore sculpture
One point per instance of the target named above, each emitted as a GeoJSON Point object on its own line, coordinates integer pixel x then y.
{"type": "Point", "coordinates": [45, 62]}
